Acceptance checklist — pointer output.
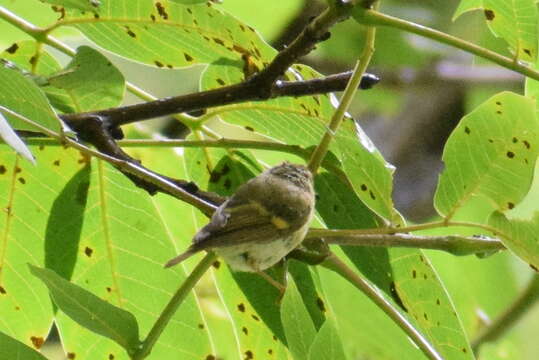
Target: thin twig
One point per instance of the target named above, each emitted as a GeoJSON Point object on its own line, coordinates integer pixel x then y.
{"type": "Point", "coordinates": [174, 303]}
{"type": "Point", "coordinates": [375, 18]}
{"type": "Point", "coordinates": [453, 244]}
{"type": "Point", "coordinates": [321, 149]}
{"type": "Point", "coordinates": [510, 316]}
{"type": "Point", "coordinates": [335, 264]}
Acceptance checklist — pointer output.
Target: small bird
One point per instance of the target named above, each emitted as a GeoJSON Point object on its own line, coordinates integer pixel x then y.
{"type": "Point", "coordinates": [262, 222]}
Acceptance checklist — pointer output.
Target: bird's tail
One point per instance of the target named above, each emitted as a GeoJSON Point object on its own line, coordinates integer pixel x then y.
{"type": "Point", "coordinates": [178, 259]}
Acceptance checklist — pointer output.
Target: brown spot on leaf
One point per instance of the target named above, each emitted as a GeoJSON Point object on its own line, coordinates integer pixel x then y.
{"type": "Point", "coordinates": [270, 351]}
{"type": "Point", "coordinates": [526, 144]}
{"type": "Point", "coordinates": [211, 357]}
{"type": "Point", "coordinates": [33, 60]}
{"type": "Point", "coordinates": [242, 28]}
{"type": "Point", "coordinates": [514, 140]}
{"type": "Point", "coordinates": [489, 14]}
{"type": "Point", "coordinates": [499, 103]}
{"type": "Point", "coordinates": [22, 180]}
{"type": "Point", "coordinates": [245, 330]}
{"type": "Point", "coordinates": [510, 205]}
{"type": "Point", "coordinates": [425, 316]}
{"type": "Point", "coordinates": [320, 303]}
{"type": "Point", "coordinates": [2, 169]}
{"type": "Point", "coordinates": [56, 163]}
{"type": "Point", "coordinates": [534, 267]}
{"type": "Point", "coordinates": [111, 356]}
{"type": "Point", "coordinates": [3, 290]}
{"type": "Point", "coordinates": [152, 16]}
{"type": "Point", "coordinates": [510, 154]}
{"type": "Point", "coordinates": [219, 41]}
{"type": "Point", "coordinates": [130, 32]}
{"type": "Point", "coordinates": [248, 355]}
{"type": "Point", "coordinates": [220, 81]}
{"type": "Point", "coordinates": [467, 130]}
{"type": "Point", "coordinates": [189, 10]}
{"type": "Point", "coordinates": [216, 264]}
{"type": "Point", "coordinates": [274, 338]}
{"type": "Point", "coordinates": [161, 10]}
{"type": "Point", "coordinates": [71, 355]}
{"type": "Point", "coordinates": [437, 301]}
{"type": "Point", "coordinates": [13, 48]}
{"type": "Point", "coordinates": [188, 57]}
{"type": "Point", "coordinates": [425, 276]}
{"type": "Point", "coordinates": [371, 194]}
{"type": "Point", "coordinates": [490, 141]}
{"type": "Point", "coordinates": [256, 318]}
{"type": "Point", "coordinates": [17, 308]}
{"type": "Point", "coordinates": [201, 326]}
{"type": "Point", "coordinates": [241, 307]}
{"type": "Point", "coordinates": [363, 187]}
{"type": "Point", "coordinates": [37, 341]}
{"type": "Point", "coordinates": [414, 274]}
{"type": "Point", "coordinates": [528, 52]}
{"type": "Point", "coordinates": [499, 112]}
{"type": "Point", "coordinates": [88, 251]}
{"type": "Point", "coordinates": [158, 63]}
{"type": "Point", "coordinates": [248, 128]}
{"type": "Point", "coordinates": [109, 289]}
{"type": "Point", "coordinates": [464, 350]}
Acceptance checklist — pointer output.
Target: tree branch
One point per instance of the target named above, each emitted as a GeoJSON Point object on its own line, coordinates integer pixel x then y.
{"type": "Point", "coordinates": [453, 244]}
{"type": "Point", "coordinates": [510, 316]}
{"type": "Point", "coordinates": [226, 95]}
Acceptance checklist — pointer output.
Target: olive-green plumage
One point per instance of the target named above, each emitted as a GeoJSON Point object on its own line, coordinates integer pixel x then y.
{"type": "Point", "coordinates": [262, 222]}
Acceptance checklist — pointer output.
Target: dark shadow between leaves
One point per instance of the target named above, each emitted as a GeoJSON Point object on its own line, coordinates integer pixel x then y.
{"type": "Point", "coordinates": [65, 222]}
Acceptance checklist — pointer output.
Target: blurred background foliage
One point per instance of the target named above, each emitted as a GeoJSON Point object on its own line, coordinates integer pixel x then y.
{"type": "Point", "coordinates": [425, 90]}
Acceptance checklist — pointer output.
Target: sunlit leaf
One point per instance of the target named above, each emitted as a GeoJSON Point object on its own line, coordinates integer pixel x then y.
{"type": "Point", "coordinates": [404, 276]}
{"type": "Point", "coordinates": [90, 311]}
{"type": "Point", "coordinates": [12, 349]}
{"type": "Point", "coordinates": [22, 95]}
{"type": "Point", "coordinates": [520, 236]}
{"type": "Point", "coordinates": [168, 34]}
{"type": "Point", "coordinates": [84, 5]}
{"type": "Point", "coordinates": [327, 343]}
{"type": "Point", "coordinates": [27, 55]}
{"type": "Point", "coordinates": [516, 22]}
{"type": "Point", "coordinates": [303, 121]}
{"type": "Point", "coordinates": [298, 326]}
{"type": "Point", "coordinates": [491, 154]}
{"type": "Point", "coordinates": [467, 5]}
{"type": "Point", "coordinates": [91, 81]}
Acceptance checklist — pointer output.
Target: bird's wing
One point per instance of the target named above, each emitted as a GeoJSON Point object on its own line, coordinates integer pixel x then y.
{"type": "Point", "coordinates": [238, 223]}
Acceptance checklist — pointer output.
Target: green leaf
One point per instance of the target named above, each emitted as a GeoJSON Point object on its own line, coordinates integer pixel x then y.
{"type": "Point", "coordinates": [298, 325]}
{"type": "Point", "coordinates": [490, 154]}
{"type": "Point", "coordinates": [168, 34]}
{"type": "Point", "coordinates": [84, 5]}
{"type": "Point", "coordinates": [303, 121]}
{"type": "Point", "coordinates": [11, 138]}
{"type": "Point", "coordinates": [516, 22]}
{"type": "Point", "coordinates": [420, 293]}
{"type": "Point", "coordinates": [520, 236]}
{"type": "Point", "coordinates": [90, 311]}
{"type": "Point", "coordinates": [404, 276]}
{"type": "Point", "coordinates": [467, 5]}
{"type": "Point", "coordinates": [327, 343]}
{"type": "Point", "coordinates": [91, 81]}
{"type": "Point", "coordinates": [22, 95]}
{"type": "Point", "coordinates": [29, 56]}
{"type": "Point", "coordinates": [11, 349]}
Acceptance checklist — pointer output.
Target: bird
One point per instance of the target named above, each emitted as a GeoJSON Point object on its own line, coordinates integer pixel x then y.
{"type": "Point", "coordinates": [264, 220]}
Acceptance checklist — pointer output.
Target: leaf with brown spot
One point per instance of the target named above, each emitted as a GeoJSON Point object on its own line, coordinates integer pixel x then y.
{"type": "Point", "coordinates": [11, 348]}
{"type": "Point", "coordinates": [477, 168]}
